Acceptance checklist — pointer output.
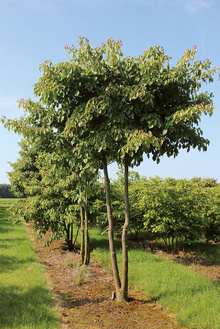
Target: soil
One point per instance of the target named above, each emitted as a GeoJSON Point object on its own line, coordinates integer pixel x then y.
{"type": "Point", "coordinates": [82, 295]}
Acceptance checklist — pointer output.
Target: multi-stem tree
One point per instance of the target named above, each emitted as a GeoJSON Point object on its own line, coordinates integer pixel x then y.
{"type": "Point", "coordinates": [116, 108]}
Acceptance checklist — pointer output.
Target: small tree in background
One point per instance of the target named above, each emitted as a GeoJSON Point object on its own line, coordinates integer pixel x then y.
{"type": "Point", "coordinates": [173, 210]}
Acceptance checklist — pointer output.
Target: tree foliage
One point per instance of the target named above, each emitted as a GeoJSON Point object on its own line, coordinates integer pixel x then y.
{"type": "Point", "coordinates": [171, 209]}
{"type": "Point", "coordinates": [52, 191]}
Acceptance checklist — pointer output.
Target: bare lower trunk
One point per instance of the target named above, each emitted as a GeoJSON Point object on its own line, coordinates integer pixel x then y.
{"type": "Point", "coordinates": [86, 234]}
{"type": "Point", "coordinates": [124, 287]}
{"type": "Point", "coordinates": [115, 270]}
{"type": "Point", "coordinates": [82, 248]}
{"type": "Point", "coordinates": [71, 235]}
{"type": "Point", "coordinates": [74, 243]}
{"type": "Point", "coordinates": [68, 238]}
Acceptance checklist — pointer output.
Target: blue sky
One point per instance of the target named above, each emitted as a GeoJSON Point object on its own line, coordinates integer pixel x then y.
{"type": "Point", "coordinates": [32, 31]}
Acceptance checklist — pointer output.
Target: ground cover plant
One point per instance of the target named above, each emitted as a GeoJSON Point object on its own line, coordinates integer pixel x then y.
{"type": "Point", "coordinates": [24, 299]}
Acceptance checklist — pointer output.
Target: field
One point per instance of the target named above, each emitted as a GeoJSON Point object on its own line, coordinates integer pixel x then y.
{"type": "Point", "coordinates": [166, 291]}
{"type": "Point", "coordinates": [6, 202]}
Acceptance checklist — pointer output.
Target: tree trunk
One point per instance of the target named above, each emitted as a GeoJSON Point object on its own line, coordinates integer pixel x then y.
{"type": "Point", "coordinates": [71, 235]}
{"type": "Point", "coordinates": [74, 243]}
{"type": "Point", "coordinates": [115, 270]}
{"type": "Point", "coordinates": [68, 235]}
{"type": "Point", "coordinates": [82, 235]}
{"type": "Point", "coordinates": [124, 287]}
{"type": "Point", "coordinates": [86, 234]}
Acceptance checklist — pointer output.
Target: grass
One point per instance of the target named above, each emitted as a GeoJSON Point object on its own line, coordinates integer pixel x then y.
{"type": "Point", "coordinates": [83, 272]}
{"type": "Point", "coordinates": [24, 299]}
{"type": "Point", "coordinates": [6, 202]}
{"type": "Point", "coordinates": [193, 299]}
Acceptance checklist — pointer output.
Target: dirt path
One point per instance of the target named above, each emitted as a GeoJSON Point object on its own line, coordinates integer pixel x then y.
{"type": "Point", "coordinates": [82, 295]}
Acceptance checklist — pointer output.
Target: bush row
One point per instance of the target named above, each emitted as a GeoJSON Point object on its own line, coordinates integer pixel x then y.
{"type": "Point", "coordinates": [170, 209]}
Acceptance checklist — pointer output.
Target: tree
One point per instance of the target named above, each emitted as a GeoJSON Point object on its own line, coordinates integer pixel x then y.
{"type": "Point", "coordinates": [173, 209]}
{"type": "Point", "coordinates": [182, 209]}
{"type": "Point", "coordinates": [5, 191]}
{"type": "Point", "coordinates": [117, 108]}
{"type": "Point", "coordinates": [210, 207]}
{"type": "Point", "coordinates": [212, 213]}
{"type": "Point", "coordinates": [43, 193]}
{"type": "Point", "coordinates": [24, 170]}
{"type": "Point", "coordinates": [52, 193]}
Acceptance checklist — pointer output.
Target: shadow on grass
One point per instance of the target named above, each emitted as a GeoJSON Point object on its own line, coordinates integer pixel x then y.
{"type": "Point", "coordinates": [25, 308]}
{"type": "Point", "coordinates": [204, 249]}
{"type": "Point", "coordinates": [7, 243]}
{"type": "Point", "coordinates": [3, 211]}
{"type": "Point", "coordinates": [5, 225]}
{"type": "Point", "coordinates": [8, 263]}
{"type": "Point", "coordinates": [102, 242]}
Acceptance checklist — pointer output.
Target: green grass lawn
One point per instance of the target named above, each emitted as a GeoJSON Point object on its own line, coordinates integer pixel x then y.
{"type": "Point", "coordinates": [25, 301]}
{"type": "Point", "coordinates": [194, 300]}
{"type": "Point", "coordinates": [6, 202]}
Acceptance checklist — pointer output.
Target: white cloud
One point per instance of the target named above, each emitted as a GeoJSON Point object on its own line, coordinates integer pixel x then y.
{"type": "Point", "coordinates": [193, 6]}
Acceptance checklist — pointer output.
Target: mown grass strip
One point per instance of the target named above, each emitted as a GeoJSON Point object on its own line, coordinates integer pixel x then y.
{"type": "Point", "coordinates": [6, 201]}
{"type": "Point", "coordinates": [24, 299]}
{"type": "Point", "coordinates": [194, 300]}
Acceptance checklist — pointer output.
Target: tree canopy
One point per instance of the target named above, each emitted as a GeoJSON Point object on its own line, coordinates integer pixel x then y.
{"type": "Point", "coordinates": [128, 105]}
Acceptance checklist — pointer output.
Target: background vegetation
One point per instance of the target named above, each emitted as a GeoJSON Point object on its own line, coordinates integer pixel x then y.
{"type": "Point", "coordinates": [5, 191]}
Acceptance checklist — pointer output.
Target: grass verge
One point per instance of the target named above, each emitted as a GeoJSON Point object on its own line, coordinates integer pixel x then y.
{"type": "Point", "coordinates": [193, 299]}
{"type": "Point", "coordinates": [24, 299]}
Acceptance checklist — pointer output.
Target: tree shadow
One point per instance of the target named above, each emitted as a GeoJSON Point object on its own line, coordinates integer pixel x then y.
{"type": "Point", "coordinates": [79, 302]}
{"type": "Point", "coordinates": [102, 242]}
{"type": "Point", "coordinates": [207, 253]}
{"type": "Point", "coordinates": [7, 243]}
{"type": "Point", "coordinates": [3, 211]}
{"type": "Point", "coordinates": [6, 225]}
{"type": "Point", "coordinates": [25, 308]}
{"type": "Point", "coordinates": [8, 263]}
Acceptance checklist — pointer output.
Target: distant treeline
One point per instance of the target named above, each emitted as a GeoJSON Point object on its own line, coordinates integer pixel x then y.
{"type": "Point", "coordinates": [5, 191]}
